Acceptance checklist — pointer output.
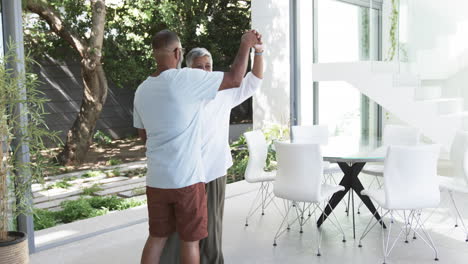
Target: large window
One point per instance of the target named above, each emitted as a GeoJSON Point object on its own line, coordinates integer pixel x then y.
{"type": "Point", "coordinates": [345, 31]}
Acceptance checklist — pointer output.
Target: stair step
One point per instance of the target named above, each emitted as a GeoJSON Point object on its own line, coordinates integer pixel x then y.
{"type": "Point", "coordinates": [446, 106]}
{"type": "Point", "coordinates": [428, 92]}
{"type": "Point", "coordinates": [465, 121]}
{"type": "Point", "coordinates": [385, 67]}
{"type": "Point", "coordinates": [407, 79]}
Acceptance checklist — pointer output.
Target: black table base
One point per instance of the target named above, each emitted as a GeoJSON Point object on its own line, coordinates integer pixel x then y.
{"type": "Point", "coordinates": [351, 182]}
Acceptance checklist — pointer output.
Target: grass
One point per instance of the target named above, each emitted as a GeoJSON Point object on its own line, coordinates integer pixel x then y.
{"type": "Point", "coordinates": [102, 139]}
{"type": "Point", "coordinates": [135, 173]}
{"type": "Point", "coordinates": [91, 190]}
{"type": "Point", "coordinates": [113, 173]}
{"type": "Point", "coordinates": [139, 191]}
{"type": "Point", "coordinates": [63, 183]}
{"type": "Point", "coordinates": [82, 208]}
{"type": "Point", "coordinates": [113, 162]}
{"type": "Point", "coordinates": [91, 174]}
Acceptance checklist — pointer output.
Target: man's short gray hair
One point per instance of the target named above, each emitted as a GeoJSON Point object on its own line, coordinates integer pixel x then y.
{"type": "Point", "coordinates": [195, 53]}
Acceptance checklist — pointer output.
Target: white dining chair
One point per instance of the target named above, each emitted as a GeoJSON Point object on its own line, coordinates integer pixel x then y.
{"type": "Point", "coordinates": [410, 185]}
{"type": "Point", "coordinates": [458, 183]}
{"type": "Point", "coordinates": [255, 172]}
{"type": "Point", "coordinates": [317, 134]}
{"type": "Point", "coordinates": [299, 180]}
{"type": "Point", "coordinates": [393, 135]}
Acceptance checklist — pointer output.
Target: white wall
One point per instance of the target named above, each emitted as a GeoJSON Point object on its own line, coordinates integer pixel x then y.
{"type": "Point", "coordinates": [271, 102]}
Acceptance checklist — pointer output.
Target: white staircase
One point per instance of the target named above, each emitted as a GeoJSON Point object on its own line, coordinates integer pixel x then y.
{"type": "Point", "coordinates": [448, 57]}
{"type": "Point", "coordinates": [404, 95]}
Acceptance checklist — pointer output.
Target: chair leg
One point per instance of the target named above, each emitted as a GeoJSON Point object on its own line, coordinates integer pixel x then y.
{"type": "Point", "coordinates": [407, 222]}
{"type": "Point", "coordinates": [279, 232]}
{"type": "Point", "coordinates": [319, 231]}
{"type": "Point", "coordinates": [459, 215]}
{"type": "Point", "coordinates": [262, 194]}
{"type": "Point", "coordinates": [385, 241]}
{"type": "Point", "coordinates": [265, 196]}
{"type": "Point", "coordinates": [420, 224]}
{"type": "Point", "coordinates": [369, 227]}
{"type": "Point", "coordinates": [337, 225]}
{"type": "Point", "coordinates": [412, 222]}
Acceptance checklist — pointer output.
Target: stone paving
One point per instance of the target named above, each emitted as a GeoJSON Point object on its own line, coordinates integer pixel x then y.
{"type": "Point", "coordinates": [112, 180]}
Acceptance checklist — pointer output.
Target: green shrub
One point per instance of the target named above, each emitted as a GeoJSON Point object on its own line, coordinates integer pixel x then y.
{"type": "Point", "coordinates": [113, 162]}
{"type": "Point", "coordinates": [63, 183]}
{"type": "Point", "coordinates": [110, 202]}
{"type": "Point", "coordinates": [113, 173]}
{"type": "Point", "coordinates": [130, 203]}
{"type": "Point", "coordinates": [81, 209]}
{"type": "Point", "coordinates": [135, 173]}
{"type": "Point", "coordinates": [91, 190]}
{"type": "Point", "coordinates": [102, 139]}
{"type": "Point", "coordinates": [90, 174]}
{"type": "Point", "coordinates": [76, 210]}
{"type": "Point", "coordinates": [241, 154]}
{"type": "Point", "coordinates": [44, 219]}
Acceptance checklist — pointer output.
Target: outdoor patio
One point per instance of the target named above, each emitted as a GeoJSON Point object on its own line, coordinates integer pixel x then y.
{"type": "Point", "coordinates": [119, 237]}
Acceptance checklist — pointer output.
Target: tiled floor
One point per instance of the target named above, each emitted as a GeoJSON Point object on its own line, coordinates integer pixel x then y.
{"type": "Point", "coordinates": [253, 244]}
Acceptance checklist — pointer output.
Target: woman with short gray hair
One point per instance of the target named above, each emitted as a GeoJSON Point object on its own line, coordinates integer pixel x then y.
{"type": "Point", "coordinates": [216, 153]}
{"type": "Point", "coordinates": [194, 62]}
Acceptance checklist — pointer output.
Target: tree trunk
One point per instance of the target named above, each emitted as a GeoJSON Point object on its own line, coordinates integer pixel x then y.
{"type": "Point", "coordinates": [80, 136]}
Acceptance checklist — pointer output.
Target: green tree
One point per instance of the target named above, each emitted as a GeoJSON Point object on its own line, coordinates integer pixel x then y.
{"type": "Point", "coordinates": [125, 54]}
{"type": "Point", "coordinates": [87, 43]}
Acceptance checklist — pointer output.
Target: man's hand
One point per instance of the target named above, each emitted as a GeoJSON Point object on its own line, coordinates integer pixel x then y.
{"type": "Point", "coordinates": [259, 46]}
{"type": "Point", "coordinates": [236, 74]}
{"type": "Point", "coordinates": [250, 38]}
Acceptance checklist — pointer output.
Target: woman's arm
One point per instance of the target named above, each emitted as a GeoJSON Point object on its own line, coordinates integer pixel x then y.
{"type": "Point", "coordinates": [257, 68]}
{"type": "Point", "coordinates": [251, 82]}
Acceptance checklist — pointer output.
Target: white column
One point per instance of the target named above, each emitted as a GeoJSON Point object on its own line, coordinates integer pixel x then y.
{"type": "Point", "coordinates": [271, 104]}
{"type": "Point", "coordinates": [306, 43]}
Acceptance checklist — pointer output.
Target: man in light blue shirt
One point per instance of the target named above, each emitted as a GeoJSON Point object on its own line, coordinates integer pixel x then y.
{"type": "Point", "coordinates": [167, 112]}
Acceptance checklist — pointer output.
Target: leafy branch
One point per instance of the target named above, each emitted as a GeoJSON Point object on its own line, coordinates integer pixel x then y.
{"type": "Point", "coordinates": [14, 183]}
{"type": "Point", "coordinates": [394, 17]}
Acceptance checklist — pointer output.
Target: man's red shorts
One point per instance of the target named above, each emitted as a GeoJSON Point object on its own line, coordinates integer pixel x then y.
{"type": "Point", "coordinates": [183, 210]}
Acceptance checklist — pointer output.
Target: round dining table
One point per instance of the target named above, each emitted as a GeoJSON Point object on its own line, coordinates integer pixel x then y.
{"type": "Point", "coordinates": [351, 157]}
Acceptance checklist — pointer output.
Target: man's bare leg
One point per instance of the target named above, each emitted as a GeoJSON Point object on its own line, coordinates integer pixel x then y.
{"type": "Point", "coordinates": [190, 252]}
{"type": "Point", "coordinates": [152, 250]}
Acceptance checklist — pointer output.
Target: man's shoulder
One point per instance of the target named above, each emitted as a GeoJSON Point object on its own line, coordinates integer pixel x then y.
{"type": "Point", "coordinates": [142, 87]}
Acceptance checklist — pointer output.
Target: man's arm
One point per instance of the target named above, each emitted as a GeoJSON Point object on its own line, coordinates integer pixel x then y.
{"type": "Point", "coordinates": [142, 135]}
{"type": "Point", "coordinates": [234, 77]}
{"type": "Point", "coordinates": [251, 82]}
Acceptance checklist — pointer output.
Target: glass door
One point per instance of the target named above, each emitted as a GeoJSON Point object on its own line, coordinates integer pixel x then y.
{"type": "Point", "coordinates": [345, 32]}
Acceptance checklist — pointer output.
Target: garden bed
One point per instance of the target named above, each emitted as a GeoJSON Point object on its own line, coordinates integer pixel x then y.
{"type": "Point", "coordinates": [110, 184]}
{"type": "Point", "coordinates": [102, 153]}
